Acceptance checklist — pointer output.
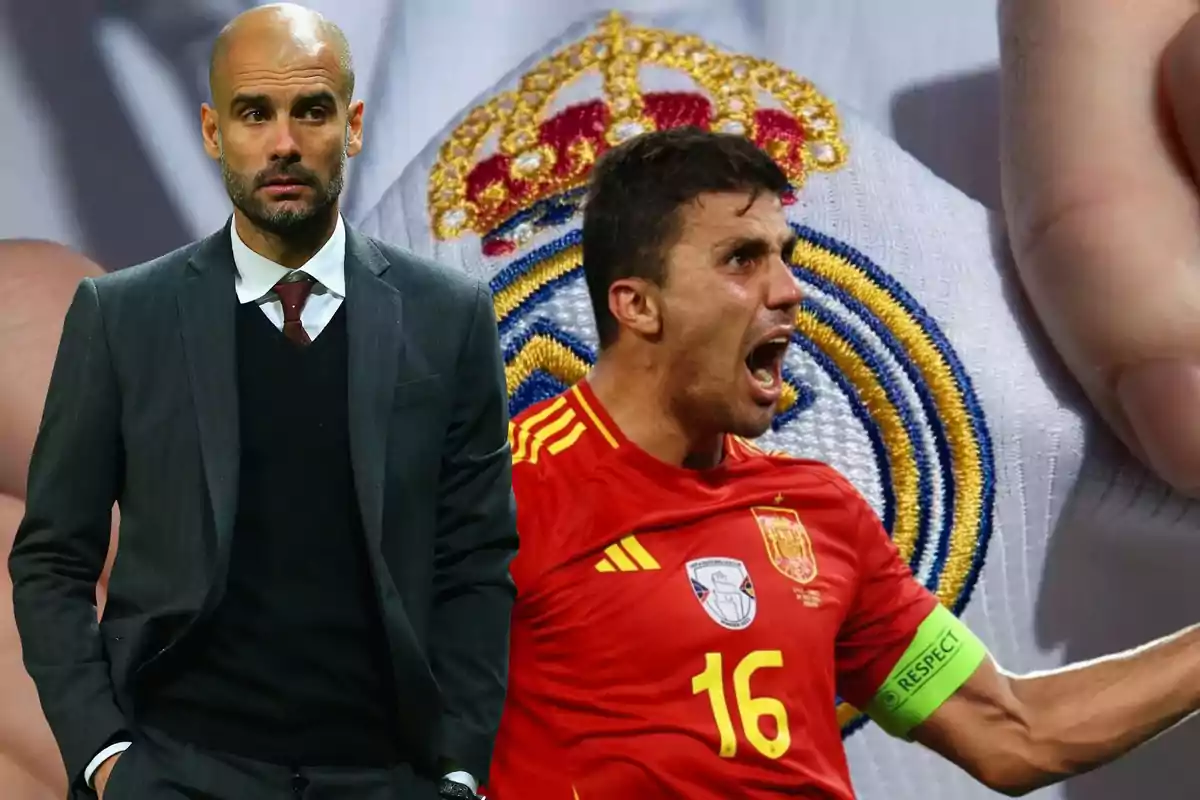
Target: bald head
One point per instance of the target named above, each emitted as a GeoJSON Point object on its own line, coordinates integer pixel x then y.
{"type": "Point", "coordinates": [287, 29]}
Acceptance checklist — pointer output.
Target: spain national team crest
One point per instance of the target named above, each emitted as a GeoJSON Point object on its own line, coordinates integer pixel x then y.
{"type": "Point", "coordinates": [725, 591]}
{"type": "Point", "coordinates": [788, 544]}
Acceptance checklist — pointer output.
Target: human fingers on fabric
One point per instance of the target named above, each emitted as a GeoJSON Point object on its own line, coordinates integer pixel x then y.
{"type": "Point", "coordinates": [1103, 209]}
{"type": "Point", "coordinates": [37, 281]}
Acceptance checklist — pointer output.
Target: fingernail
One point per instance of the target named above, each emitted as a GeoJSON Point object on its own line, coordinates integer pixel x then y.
{"type": "Point", "coordinates": [1161, 400]}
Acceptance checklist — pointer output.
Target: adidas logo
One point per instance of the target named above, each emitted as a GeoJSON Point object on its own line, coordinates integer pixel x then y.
{"type": "Point", "coordinates": [627, 555]}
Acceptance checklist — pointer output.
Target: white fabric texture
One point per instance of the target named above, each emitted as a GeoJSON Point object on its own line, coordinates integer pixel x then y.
{"type": "Point", "coordinates": [923, 70]}
{"type": "Point", "coordinates": [1080, 552]}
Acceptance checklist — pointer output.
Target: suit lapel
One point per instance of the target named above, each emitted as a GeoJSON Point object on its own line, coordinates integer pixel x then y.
{"type": "Point", "coordinates": [207, 304]}
{"type": "Point", "coordinates": [376, 343]}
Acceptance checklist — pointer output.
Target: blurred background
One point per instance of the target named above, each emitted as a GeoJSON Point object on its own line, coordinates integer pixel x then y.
{"type": "Point", "coordinates": [99, 99]}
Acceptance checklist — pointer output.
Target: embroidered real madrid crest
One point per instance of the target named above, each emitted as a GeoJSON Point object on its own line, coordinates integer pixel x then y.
{"type": "Point", "coordinates": [873, 386]}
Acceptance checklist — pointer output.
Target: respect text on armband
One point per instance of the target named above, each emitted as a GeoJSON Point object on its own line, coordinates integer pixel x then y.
{"type": "Point", "coordinates": [922, 667]}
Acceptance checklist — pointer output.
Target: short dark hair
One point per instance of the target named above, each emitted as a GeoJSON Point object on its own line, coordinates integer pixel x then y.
{"type": "Point", "coordinates": [631, 217]}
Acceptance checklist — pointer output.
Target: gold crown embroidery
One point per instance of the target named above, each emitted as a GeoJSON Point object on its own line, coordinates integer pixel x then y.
{"type": "Point", "coordinates": [539, 158]}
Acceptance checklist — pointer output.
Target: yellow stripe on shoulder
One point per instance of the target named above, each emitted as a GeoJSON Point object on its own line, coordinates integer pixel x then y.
{"type": "Point", "coordinates": [551, 431]}
{"type": "Point", "coordinates": [593, 416]}
{"type": "Point", "coordinates": [566, 440]}
{"type": "Point", "coordinates": [524, 430]}
{"type": "Point", "coordinates": [749, 446]}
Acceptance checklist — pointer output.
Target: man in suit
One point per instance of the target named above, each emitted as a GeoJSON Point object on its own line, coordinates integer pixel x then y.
{"type": "Point", "coordinates": [306, 433]}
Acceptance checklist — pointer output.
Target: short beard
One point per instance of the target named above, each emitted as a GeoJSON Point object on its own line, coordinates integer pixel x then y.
{"type": "Point", "coordinates": [286, 223]}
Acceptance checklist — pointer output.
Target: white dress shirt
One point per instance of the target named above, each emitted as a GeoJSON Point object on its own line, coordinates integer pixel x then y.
{"type": "Point", "coordinates": [257, 276]}
{"type": "Point", "coordinates": [255, 283]}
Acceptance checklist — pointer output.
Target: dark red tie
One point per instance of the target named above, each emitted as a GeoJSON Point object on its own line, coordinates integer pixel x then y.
{"type": "Point", "coordinates": [293, 292]}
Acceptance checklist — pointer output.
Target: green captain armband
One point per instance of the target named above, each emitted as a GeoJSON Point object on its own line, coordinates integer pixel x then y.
{"type": "Point", "coordinates": [942, 656]}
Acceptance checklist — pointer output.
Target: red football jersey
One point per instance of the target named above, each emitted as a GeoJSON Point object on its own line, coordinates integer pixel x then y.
{"type": "Point", "coordinates": [682, 633]}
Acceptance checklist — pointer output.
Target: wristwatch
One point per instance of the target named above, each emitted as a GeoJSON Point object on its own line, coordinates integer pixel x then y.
{"type": "Point", "coordinates": [453, 790]}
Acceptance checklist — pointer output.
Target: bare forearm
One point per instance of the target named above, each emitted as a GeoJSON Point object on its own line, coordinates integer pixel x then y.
{"type": "Point", "coordinates": [1089, 714]}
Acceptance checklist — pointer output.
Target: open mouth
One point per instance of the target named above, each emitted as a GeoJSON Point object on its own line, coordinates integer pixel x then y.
{"type": "Point", "coordinates": [765, 363]}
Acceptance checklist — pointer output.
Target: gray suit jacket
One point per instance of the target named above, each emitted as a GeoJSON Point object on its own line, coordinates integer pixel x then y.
{"type": "Point", "coordinates": [143, 410]}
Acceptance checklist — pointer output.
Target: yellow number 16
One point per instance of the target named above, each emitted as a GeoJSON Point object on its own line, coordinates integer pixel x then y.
{"type": "Point", "coordinates": [751, 709]}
